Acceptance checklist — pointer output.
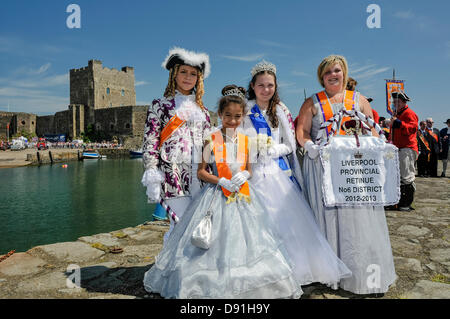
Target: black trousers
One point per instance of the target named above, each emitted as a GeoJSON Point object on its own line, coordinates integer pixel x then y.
{"type": "Point", "coordinates": [433, 165]}
{"type": "Point", "coordinates": [423, 165]}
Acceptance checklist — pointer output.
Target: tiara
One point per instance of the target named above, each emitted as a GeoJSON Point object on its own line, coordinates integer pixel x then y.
{"type": "Point", "coordinates": [263, 66]}
{"type": "Point", "coordinates": [235, 92]}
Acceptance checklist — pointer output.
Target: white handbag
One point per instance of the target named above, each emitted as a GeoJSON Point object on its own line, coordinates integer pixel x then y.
{"type": "Point", "coordinates": [201, 236]}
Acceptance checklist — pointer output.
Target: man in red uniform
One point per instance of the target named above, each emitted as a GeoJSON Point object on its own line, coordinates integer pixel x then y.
{"type": "Point", "coordinates": [403, 135]}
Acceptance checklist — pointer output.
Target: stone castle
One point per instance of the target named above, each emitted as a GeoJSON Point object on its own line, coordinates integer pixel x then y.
{"type": "Point", "coordinates": [101, 98]}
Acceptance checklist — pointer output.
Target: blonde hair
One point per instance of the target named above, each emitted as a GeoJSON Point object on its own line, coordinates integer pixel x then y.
{"type": "Point", "coordinates": [172, 85]}
{"type": "Point", "coordinates": [328, 62]}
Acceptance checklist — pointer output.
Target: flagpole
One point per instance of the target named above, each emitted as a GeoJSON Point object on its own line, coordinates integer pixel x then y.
{"type": "Point", "coordinates": [304, 92]}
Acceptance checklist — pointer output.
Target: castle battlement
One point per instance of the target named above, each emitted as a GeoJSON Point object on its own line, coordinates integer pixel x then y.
{"type": "Point", "coordinates": [99, 87]}
{"type": "Point", "coordinates": [98, 65]}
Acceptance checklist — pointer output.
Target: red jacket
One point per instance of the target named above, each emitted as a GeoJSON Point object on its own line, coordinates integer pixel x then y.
{"type": "Point", "coordinates": [405, 135]}
{"type": "Point", "coordinates": [375, 115]}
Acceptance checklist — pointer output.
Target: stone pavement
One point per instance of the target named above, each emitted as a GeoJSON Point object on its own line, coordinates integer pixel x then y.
{"type": "Point", "coordinates": [420, 241]}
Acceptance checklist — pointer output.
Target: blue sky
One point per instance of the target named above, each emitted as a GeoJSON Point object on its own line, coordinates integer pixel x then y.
{"type": "Point", "coordinates": [37, 50]}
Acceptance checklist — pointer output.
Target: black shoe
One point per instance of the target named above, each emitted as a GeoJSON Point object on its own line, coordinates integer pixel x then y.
{"type": "Point", "coordinates": [442, 175]}
{"type": "Point", "coordinates": [404, 209]}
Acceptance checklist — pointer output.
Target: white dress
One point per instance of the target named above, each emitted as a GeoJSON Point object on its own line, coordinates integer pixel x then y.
{"type": "Point", "coordinates": [358, 235]}
{"type": "Point", "coordinates": [312, 257]}
{"type": "Point", "coordinates": [246, 258]}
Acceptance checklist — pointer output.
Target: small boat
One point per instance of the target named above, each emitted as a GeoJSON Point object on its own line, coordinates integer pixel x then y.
{"type": "Point", "coordinates": [136, 153]}
{"type": "Point", "coordinates": [91, 154]}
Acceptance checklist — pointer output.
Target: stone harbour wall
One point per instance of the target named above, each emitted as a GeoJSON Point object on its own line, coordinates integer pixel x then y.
{"type": "Point", "coordinates": [112, 265]}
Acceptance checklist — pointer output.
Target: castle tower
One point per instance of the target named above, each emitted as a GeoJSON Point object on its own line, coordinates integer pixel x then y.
{"type": "Point", "coordinates": [98, 87]}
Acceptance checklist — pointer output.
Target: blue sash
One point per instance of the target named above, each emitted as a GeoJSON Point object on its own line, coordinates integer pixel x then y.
{"type": "Point", "coordinates": [259, 122]}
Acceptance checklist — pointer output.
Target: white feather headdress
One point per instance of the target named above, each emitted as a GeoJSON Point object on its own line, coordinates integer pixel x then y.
{"type": "Point", "coordinates": [179, 55]}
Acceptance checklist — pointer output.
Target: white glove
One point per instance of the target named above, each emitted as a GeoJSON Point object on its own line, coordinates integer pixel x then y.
{"type": "Point", "coordinates": [154, 193]}
{"type": "Point", "coordinates": [226, 183]}
{"type": "Point", "coordinates": [240, 178]}
{"type": "Point", "coordinates": [312, 149]}
{"type": "Point", "coordinates": [152, 179]}
{"type": "Point", "coordinates": [278, 150]}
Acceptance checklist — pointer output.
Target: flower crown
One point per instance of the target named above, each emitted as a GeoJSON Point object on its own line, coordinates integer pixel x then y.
{"type": "Point", "coordinates": [263, 66]}
{"type": "Point", "coordinates": [235, 92]}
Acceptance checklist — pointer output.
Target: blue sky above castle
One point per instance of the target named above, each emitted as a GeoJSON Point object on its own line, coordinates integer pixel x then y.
{"type": "Point", "coordinates": [37, 49]}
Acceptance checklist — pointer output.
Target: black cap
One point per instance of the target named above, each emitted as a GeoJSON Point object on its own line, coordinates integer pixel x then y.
{"type": "Point", "coordinates": [177, 59]}
{"type": "Point", "coordinates": [401, 95]}
{"type": "Point", "coordinates": [448, 121]}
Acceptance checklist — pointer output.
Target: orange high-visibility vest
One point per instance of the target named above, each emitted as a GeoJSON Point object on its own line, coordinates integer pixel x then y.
{"type": "Point", "coordinates": [174, 123]}
{"type": "Point", "coordinates": [220, 154]}
{"type": "Point", "coordinates": [327, 111]}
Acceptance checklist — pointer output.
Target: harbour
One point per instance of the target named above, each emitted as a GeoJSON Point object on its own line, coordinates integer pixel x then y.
{"type": "Point", "coordinates": [51, 203]}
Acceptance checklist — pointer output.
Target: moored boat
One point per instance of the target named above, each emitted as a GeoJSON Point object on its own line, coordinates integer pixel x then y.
{"type": "Point", "coordinates": [136, 153]}
{"type": "Point", "coordinates": [91, 154]}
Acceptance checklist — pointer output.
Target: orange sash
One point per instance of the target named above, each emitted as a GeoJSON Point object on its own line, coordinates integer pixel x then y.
{"type": "Point", "coordinates": [433, 134]}
{"type": "Point", "coordinates": [220, 154]}
{"type": "Point", "coordinates": [424, 141]}
{"type": "Point", "coordinates": [174, 123]}
{"type": "Point", "coordinates": [327, 111]}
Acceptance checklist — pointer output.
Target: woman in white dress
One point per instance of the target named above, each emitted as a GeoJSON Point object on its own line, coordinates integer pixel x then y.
{"type": "Point", "coordinates": [278, 180]}
{"type": "Point", "coordinates": [358, 234]}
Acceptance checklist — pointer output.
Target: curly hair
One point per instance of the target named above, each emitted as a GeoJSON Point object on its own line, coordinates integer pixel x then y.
{"type": "Point", "coordinates": [172, 85]}
{"type": "Point", "coordinates": [272, 109]}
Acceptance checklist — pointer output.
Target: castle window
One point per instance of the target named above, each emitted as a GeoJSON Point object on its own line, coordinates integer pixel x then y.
{"type": "Point", "coordinates": [123, 92]}
{"type": "Point", "coordinates": [23, 122]}
{"type": "Point", "coordinates": [107, 91]}
{"type": "Point", "coordinates": [127, 125]}
{"type": "Point", "coordinates": [112, 127]}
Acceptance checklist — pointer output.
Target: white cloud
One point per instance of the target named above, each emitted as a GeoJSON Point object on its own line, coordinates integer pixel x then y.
{"type": "Point", "coordinates": [8, 44]}
{"type": "Point", "coordinates": [371, 72]}
{"type": "Point", "coordinates": [283, 84]}
{"type": "Point", "coordinates": [140, 83]}
{"type": "Point", "coordinates": [407, 15]}
{"type": "Point", "coordinates": [360, 69]}
{"type": "Point", "coordinates": [24, 70]}
{"type": "Point", "coordinates": [300, 73]}
{"type": "Point", "coordinates": [245, 58]}
{"type": "Point", "coordinates": [43, 68]}
{"type": "Point", "coordinates": [272, 44]}
{"type": "Point", "coordinates": [36, 82]}
{"type": "Point", "coordinates": [36, 102]}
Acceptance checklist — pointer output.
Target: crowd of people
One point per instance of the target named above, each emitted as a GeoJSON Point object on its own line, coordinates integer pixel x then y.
{"type": "Point", "coordinates": [75, 144]}
{"type": "Point", "coordinates": [247, 213]}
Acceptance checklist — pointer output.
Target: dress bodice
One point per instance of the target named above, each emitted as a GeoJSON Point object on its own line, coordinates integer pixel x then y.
{"type": "Point", "coordinates": [318, 118]}
{"type": "Point", "coordinates": [278, 135]}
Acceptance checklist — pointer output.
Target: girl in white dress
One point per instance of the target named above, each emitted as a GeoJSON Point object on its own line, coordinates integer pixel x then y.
{"type": "Point", "coordinates": [278, 180]}
{"type": "Point", "coordinates": [246, 258]}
